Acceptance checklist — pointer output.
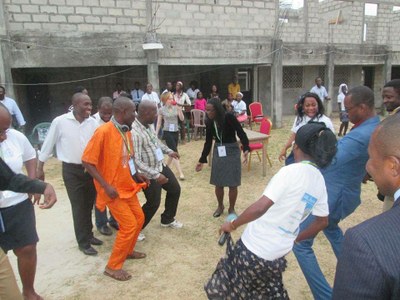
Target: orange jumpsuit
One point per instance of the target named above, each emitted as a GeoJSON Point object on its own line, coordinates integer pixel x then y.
{"type": "Point", "coordinates": [108, 152]}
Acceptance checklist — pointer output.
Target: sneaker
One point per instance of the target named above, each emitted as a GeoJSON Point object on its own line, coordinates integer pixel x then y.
{"type": "Point", "coordinates": [141, 237]}
{"type": "Point", "coordinates": [175, 224]}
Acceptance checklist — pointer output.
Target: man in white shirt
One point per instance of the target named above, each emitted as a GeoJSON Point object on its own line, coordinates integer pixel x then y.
{"type": "Point", "coordinates": [12, 107]}
{"type": "Point", "coordinates": [70, 133]}
{"type": "Point", "coordinates": [320, 90]}
{"type": "Point", "coordinates": [150, 95]}
{"type": "Point", "coordinates": [137, 94]}
{"type": "Point", "coordinates": [193, 90]}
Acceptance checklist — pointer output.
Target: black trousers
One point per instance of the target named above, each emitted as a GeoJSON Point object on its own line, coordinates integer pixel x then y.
{"type": "Point", "coordinates": [82, 194]}
{"type": "Point", "coordinates": [153, 198]}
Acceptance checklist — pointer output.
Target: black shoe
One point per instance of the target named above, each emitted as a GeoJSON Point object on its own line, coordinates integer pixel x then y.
{"type": "Point", "coordinates": [96, 242]}
{"type": "Point", "coordinates": [114, 225]}
{"type": "Point", "coordinates": [105, 230]}
{"type": "Point", "coordinates": [89, 251]}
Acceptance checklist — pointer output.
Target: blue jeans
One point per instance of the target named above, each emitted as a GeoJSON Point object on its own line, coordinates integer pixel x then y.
{"type": "Point", "coordinates": [307, 260]}
{"type": "Point", "coordinates": [101, 218]}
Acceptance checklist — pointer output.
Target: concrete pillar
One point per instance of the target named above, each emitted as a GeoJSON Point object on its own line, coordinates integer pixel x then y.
{"type": "Point", "coordinates": [152, 69]}
{"type": "Point", "coordinates": [387, 67]}
{"type": "Point", "coordinates": [255, 84]}
{"type": "Point", "coordinates": [5, 57]}
{"type": "Point", "coordinates": [329, 79]}
{"type": "Point", "coordinates": [276, 84]}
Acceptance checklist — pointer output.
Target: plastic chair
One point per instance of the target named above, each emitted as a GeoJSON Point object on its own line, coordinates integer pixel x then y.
{"type": "Point", "coordinates": [265, 127]}
{"type": "Point", "coordinates": [198, 118]}
{"type": "Point", "coordinates": [256, 113]}
{"type": "Point", "coordinates": [39, 133]}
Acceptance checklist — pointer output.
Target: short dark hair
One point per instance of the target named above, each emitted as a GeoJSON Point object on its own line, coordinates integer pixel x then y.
{"type": "Point", "coordinates": [103, 100]}
{"type": "Point", "coordinates": [395, 84]}
{"type": "Point", "coordinates": [79, 89]}
{"type": "Point", "coordinates": [362, 95]}
{"type": "Point", "coordinates": [3, 88]}
{"type": "Point", "coordinates": [317, 141]}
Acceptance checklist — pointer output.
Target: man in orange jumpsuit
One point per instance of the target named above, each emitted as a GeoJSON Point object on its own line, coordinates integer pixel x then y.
{"type": "Point", "coordinates": [108, 157]}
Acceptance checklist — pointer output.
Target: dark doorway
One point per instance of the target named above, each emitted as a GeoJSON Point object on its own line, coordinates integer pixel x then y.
{"type": "Point", "coordinates": [38, 99]}
{"type": "Point", "coordinates": [369, 74]}
{"type": "Point", "coordinates": [395, 72]}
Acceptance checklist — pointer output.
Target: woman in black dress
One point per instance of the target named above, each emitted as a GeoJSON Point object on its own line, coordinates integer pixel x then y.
{"type": "Point", "coordinates": [226, 167]}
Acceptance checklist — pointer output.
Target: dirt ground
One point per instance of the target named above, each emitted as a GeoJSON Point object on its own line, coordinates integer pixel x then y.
{"type": "Point", "coordinates": [178, 262]}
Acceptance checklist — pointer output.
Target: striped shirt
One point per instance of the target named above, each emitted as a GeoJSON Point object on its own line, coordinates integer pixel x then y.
{"type": "Point", "coordinates": [146, 143]}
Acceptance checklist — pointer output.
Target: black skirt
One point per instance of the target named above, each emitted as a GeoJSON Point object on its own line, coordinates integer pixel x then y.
{"type": "Point", "coordinates": [226, 171]}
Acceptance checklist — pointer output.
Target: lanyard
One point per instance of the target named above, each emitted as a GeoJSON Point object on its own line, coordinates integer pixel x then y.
{"type": "Point", "coordinates": [309, 163]}
{"type": "Point", "coordinates": [217, 133]}
{"type": "Point", "coordinates": [153, 139]}
{"type": "Point", "coordinates": [127, 144]}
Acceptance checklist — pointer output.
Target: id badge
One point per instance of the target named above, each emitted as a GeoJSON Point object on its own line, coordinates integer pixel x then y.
{"type": "Point", "coordinates": [171, 127]}
{"type": "Point", "coordinates": [159, 154]}
{"type": "Point", "coordinates": [221, 151]}
{"type": "Point", "coordinates": [132, 167]}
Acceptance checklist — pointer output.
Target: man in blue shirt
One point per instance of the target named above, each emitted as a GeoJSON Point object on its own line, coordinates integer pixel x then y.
{"type": "Point", "coordinates": [343, 180]}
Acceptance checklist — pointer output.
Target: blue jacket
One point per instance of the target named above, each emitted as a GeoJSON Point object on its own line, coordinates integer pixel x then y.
{"type": "Point", "coordinates": [344, 176]}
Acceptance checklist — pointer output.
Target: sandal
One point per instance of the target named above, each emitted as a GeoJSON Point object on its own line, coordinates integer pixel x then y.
{"type": "Point", "coordinates": [119, 275]}
{"type": "Point", "coordinates": [218, 212]}
{"type": "Point", "coordinates": [136, 255]}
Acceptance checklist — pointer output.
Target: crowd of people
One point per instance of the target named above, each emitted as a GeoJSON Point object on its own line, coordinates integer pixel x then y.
{"type": "Point", "coordinates": [109, 157]}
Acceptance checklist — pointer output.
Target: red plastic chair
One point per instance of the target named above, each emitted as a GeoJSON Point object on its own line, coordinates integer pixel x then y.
{"type": "Point", "coordinates": [265, 127]}
{"type": "Point", "coordinates": [256, 113]}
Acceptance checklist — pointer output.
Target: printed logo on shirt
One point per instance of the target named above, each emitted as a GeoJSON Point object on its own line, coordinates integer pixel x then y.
{"type": "Point", "coordinates": [310, 202]}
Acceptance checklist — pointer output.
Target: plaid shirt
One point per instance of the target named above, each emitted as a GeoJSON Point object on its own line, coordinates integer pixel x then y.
{"type": "Point", "coordinates": [145, 142]}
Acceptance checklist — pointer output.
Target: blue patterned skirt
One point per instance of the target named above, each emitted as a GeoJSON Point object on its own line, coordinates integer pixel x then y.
{"type": "Point", "coordinates": [244, 275]}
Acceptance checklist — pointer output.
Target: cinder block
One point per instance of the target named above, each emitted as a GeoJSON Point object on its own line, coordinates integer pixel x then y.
{"type": "Point", "coordinates": [37, 1]}
{"type": "Point", "coordinates": [118, 28]}
{"type": "Point", "coordinates": [20, 1]}
{"type": "Point", "coordinates": [32, 26]}
{"type": "Point", "coordinates": [92, 19]}
{"type": "Point", "coordinates": [75, 19]}
{"type": "Point", "coordinates": [124, 21]}
{"type": "Point", "coordinates": [80, 10]}
{"type": "Point", "coordinates": [68, 27]}
{"type": "Point", "coordinates": [124, 3]}
{"type": "Point", "coordinates": [258, 4]}
{"type": "Point", "coordinates": [108, 20]}
{"type": "Point", "coordinates": [65, 10]}
{"type": "Point", "coordinates": [236, 3]}
{"type": "Point", "coordinates": [100, 11]}
{"type": "Point", "coordinates": [14, 8]}
{"type": "Point", "coordinates": [12, 26]}
{"type": "Point", "coordinates": [91, 2]}
{"type": "Point", "coordinates": [41, 18]}
{"type": "Point", "coordinates": [115, 12]}
{"type": "Point", "coordinates": [58, 19]}
{"type": "Point", "coordinates": [30, 8]}
{"type": "Point", "coordinates": [74, 2]}
{"type": "Point", "coordinates": [131, 12]}
{"type": "Point", "coordinates": [57, 2]}
{"type": "Point", "coordinates": [50, 27]}
{"type": "Point", "coordinates": [205, 8]}
{"type": "Point", "coordinates": [199, 16]}
{"type": "Point", "coordinates": [22, 17]}
{"type": "Point", "coordinates": [107, 3]}
{"type": "Point", "coordinates": [192, 8]}
{"type": "Point", "coordinates": [101, 27]}
{"type": "Point", "coordinates": [48, 9]}
{"type": "Point", "coordinates": [85, 27]}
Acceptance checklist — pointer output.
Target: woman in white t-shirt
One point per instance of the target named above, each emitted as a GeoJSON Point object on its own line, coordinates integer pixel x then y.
{"type": "Point", "coordinates": [253, 266]}
{"type": "Point", "coordinates": [308, 109]}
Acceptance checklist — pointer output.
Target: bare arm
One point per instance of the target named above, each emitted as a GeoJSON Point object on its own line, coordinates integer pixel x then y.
{"type": "Point", "coordinates": [288, 144]}
{"type": "Point", "coordinates": [253, 212]}
{"type": "Point", "coordinates": [110, 190]}
{"type": "Point", "coordinates": [319, 224]}
{"type": "Point", "coordinates": [159, 122]}
{"type": "Point", "coordinates": [30, 166]}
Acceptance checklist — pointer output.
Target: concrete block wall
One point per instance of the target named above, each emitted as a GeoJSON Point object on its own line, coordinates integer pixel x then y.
{"type": "Point", "coordinates": [76, 15]}
{"type": "Point", "coordinates": [385, 25]}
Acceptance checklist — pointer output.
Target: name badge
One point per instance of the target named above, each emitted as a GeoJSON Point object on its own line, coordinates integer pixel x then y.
{"type": "Point", "coordinates": [159, 154]}
{"type": "Point", "coordinates": [132, 167]}
{"type": "Point", "coordinates": [171, 127]}
{"type": "Point", "coordinates": [221, 151]}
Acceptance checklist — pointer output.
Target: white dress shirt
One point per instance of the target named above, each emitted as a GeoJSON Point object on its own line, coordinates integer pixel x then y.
{"type": "Point", "coordinates": [13, 108]}
{"type": "Point", "coordinates": [70, 138]}
{"type": "Point", "coordinates": [151, 97]}
{"type": "Point", "coordinates": [320, 91]}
